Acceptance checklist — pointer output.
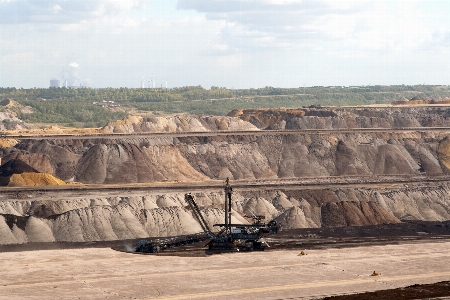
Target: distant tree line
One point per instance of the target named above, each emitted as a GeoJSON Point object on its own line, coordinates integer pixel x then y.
{"type": "Point", "coordinates": [80, 107]}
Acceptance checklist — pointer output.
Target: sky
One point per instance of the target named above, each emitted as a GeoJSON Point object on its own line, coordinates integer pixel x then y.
{"type": "Point", "coordinates": [225, 43]}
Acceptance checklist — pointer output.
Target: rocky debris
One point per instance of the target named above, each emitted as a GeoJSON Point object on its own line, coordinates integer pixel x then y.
{"type": "Point", "coordinates": [426, 204]}
{"type": "Point", "coordinates": [180, 123]}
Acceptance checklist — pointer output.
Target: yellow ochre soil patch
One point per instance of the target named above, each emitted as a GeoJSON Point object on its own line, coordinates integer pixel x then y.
{"type": "Point", "coordinates": [34, 179]}
{"type": "Point", "coordinates": [6, 143]}
{"type": "Point", "coordinates": [54, 130]}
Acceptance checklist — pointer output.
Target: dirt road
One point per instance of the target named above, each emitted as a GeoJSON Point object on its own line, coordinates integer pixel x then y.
{"type": "Point", "coordinates": [107, 274]}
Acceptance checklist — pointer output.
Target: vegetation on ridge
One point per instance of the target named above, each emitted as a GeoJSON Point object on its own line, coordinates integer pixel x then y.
{"type": "Point", "coordinates": [88, 107]}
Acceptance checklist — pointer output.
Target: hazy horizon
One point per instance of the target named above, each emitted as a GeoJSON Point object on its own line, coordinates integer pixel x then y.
{"type": "Point", "coordinates": [233, 44]}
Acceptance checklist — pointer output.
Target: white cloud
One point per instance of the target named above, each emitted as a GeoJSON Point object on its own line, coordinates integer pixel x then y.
{"type": "Point", "coordinates": [229, 61]}
{"type": "Point", "coordinates": [240, 43]}
{"type": "Point", "coordinates": [55, 9]}
{"type": "Point", "coordinates": [74, 65]}
{"type": "Point", "coordinates": [22, 59]}
{"type": "Point", "coordinates": [30, 11]}
{"type": "Point", "coordinates": [281, 2]}
{"type": "Point", "coordinates": [364, 25]}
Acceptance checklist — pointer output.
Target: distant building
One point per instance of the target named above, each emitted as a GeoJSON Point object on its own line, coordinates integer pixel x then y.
{"type": "Point", "coordinates": [54, 83]}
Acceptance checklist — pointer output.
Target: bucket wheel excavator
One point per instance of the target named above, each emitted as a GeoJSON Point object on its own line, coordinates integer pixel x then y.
{"type": "Point", "coordinates": [230, 237]}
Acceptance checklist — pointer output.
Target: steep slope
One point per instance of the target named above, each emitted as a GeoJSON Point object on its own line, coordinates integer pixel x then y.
{"type": "Point", "coordinates": [127, 217]}
{"type": "Point", "coordinates": [352, 213]}
{"type": "Point", "coordinates": [237, 156]}
{"type": "Point", "coordinates": [341, 117]}
{"type": "Point", "coordinates": [101, 219]}
{"type": "Point", "coordinates": [147, 159]}
{"type": "Point", "coordinates": [40, 162]}
{"type": "Point", "coordinates": [16, 172]}
{"type": "Point", "coordinates": [179, 123]}
{"type": "Point", "coordinates": [63, 155]}
{"type": "Point", "coordinates": [127, 162]}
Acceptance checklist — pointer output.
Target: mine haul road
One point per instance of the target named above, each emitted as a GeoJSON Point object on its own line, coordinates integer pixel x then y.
{"type": "Point", "coordinates": [224, 132]}
{"type": "Point", "coordinates": [104, 273]}
{"type": "Point", "coordinates": [329, 182]}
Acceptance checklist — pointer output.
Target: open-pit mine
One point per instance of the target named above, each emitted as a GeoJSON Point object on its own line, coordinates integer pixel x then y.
{"type": "Point", "coordinates": [331, 178]}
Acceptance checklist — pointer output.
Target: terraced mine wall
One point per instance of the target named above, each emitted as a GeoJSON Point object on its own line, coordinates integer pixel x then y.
{"type": "Point", "coordinates": [140, 216]}
{"type": "Point", "coordinates": [264, 156]}
{"type": "Point", "coordinates": [346, 117]}
{"type": "Point", "coordinates": [258, 156]}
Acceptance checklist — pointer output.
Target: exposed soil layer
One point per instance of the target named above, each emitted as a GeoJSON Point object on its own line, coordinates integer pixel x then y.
{"type": "Point", "coordinates": [344, 117]}
{"type": "Point", "coordinates": [15, 172]}
{"type": "Point", "coordinates": [176, 124]}
{"type": "Point", "coordinates": [416, 291]}
{"type": "Point", "coordinates": [15, 166]}
{"type": "Point", "coordinates": [262, 156]}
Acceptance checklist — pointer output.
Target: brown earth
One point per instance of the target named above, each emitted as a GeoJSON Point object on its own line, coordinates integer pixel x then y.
{"type": "Point", "coordinates": [148, 159]}
{"type": "Point", "coordinates": [16, 172]}
{"type": "Point", "coordinates": [342, 117]}
{"type": "Point", "coordinates": [388, 210]}
{"type": "Point", "coordinates": [439, 290]}
{"type": "Point", "coordinates": [262, 156]}
{"type": "Point", "coordinates": [249, 157]}
{"type": "Point", "coordinates": [355, 213]}
{"type": "Point", "coordinates": [418, 100]}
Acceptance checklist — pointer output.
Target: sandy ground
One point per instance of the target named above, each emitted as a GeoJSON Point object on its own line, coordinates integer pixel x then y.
{"type": "Point", "coordinates": [107, 274]}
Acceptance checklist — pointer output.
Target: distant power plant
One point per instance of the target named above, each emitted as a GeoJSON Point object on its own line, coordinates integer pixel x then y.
{"type": "Point", "coordinates": [54, 83]}
{"type": "Point", "coordinates": [151, 83]}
